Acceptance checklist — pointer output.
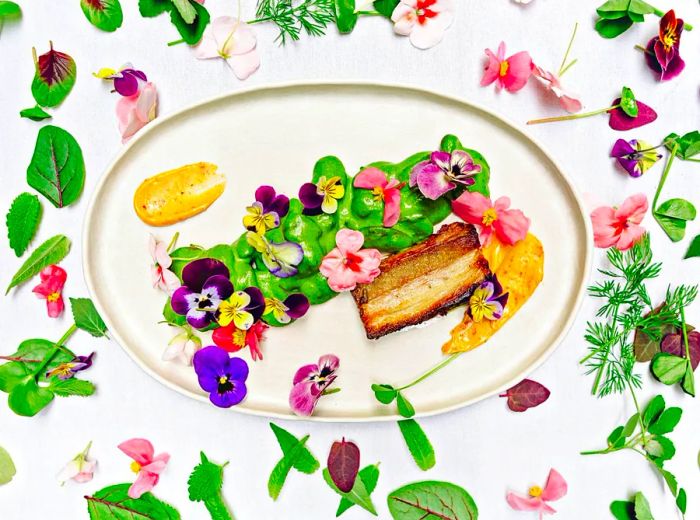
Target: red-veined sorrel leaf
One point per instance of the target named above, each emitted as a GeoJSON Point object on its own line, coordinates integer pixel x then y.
{"type": "Point", "coordinates": [526, 394]}
{"type": "Point", "coordinates": [104, 14]}
{"type": "Point", "coordinates": [54, 77]}
{"type": "Point", "coordinates": [343, 464]}
{"type": "Point", "coordinates": [673, 344]}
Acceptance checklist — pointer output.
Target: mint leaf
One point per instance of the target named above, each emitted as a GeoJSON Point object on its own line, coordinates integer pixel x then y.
{"type": "Point", "coordinates": [106, 15]}
{"type": "Point", "coordinates": [279, 473]}
{"type": "Point", "coordinates": [418, 444]}
{"type": "Point", "coordinates": [87, 318]}
{"type": "Point", "coordinates": [71, 387]}
{"type": "Point", "coordinates": [22, 221]}
{"type": "Point", "coordinates": [50, 252]}
{"type": "Point", "coordinates": [7, 467]}
{"type": "Point", "coordinates": [54, 77]}
{"type": "Point", "coordinates": [114, 503]}
{"type": "Point", "coordinates": [432, 499]}
{"type": "Point", "coordinates": [369, 476]}
{"type": "Point", "coordinates": [35, 113]}
{"type": "Point", "coordinates": [191, 32]}
{"type": "Point", "coordinates": [304, 460]}
{"type": "Point", "coordinates": [204, 485]}
{"type": "Point", "coordinates": [358, 495]}
{"type": "Point", "coordinates": [404, 406]}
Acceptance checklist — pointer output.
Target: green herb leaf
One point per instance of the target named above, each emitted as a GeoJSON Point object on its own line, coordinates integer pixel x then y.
{"type": "Point", "coordinates": [673, 227]}
{"type": "Point", "coordinates": [35, 113]}
{"type": "Point", "coordinates": [106, 15]}
{"type": "Point", "coordinates": [613, 28]}
{"type": "Point", "coordinates": [660, 447]}
{"type": "Point", "coordinates": [385, 394]}
{"type": "Point", "coordinates": [641, 507]}
{"type": "Point", "coordinates": [358, 495]}
{"type": "Point", "coordinates": [653, 410]}
{"type": "Point", "coordinates": [404, 406]}
{"type": "Point", "coordinates": [386, 7]}
{"type": "Point", "coordinates": [279, 473]}
{"type": "Point", "coordinates": [54, 77]}
{"type": "Point", "coordinates": [57, 169]}
{"type": "Point", "coordinates": [418, 444]}
{"type": "Point", "coordinates": [667, 421]}
{"type": "Point", "coordinates": [185, 9]}
{"type": "Point", "coordinates": [688, 383]}
{"type": "Point", "coordinates": [688, 144]}
{"type": "Point", "coordinates": [151, 8]}
{"type": "Point", "coordinates": [114, 503]}
{"type": "Point", "coordinates": [191, 32]}
{"type": "Point", "coordinates": [628, 103]}
{"type": "Point", "coordinates": [345, 16]}
{"type": "Point", "coordinates": [71, 387]}
{"type": "Point", "coordinates": [31, 352]}
{"type": "Point", "coordinates": [7, 467]}
{"type": "Point", "coordinates": [693, 248]}
{"type": "Point", "coordinates": [369, 476]}
{"type": "Point", "coordinates": [630, 425]}
{"type": "Point", "coordinates": [623, 510]}
{"type": "Point", "coordinates": [28, 398]}
{"type": "Point", "coordinates": [671, 481]}
{"type": "Point", "coordinates": [9, 10]}
{"type": "Point", "coordinates": [87, 318]}
{"type": "Point", "coordinates": [682, 500]}
{"type": "Point", "coordinates": [291, 18]}
{"type": "Point", "coordinates": [616, 16]}
{"type": "Point", "coordinates": [667, 368]}
{"type": "Point", "coordinates": [432, 499]}
{"type": "Point", "coordinates": [204, 485]}
{"type": "Point", "coordinates": [50, 252]}
{"type": "Point", "coordinates": [22, 221]}
{"type": "Point", "coordinates": [616, 439]}
{"type": "Point", "coordinates": [677, 208]}
{"type": "Point", "coordinates": [304, 461]}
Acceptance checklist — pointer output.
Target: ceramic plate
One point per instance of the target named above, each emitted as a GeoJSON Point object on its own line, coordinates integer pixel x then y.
{"type": "Point", "coordinates": [274, 135]}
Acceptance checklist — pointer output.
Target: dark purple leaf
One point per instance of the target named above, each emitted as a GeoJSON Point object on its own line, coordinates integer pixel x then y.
{"type": "Point", "coordinates": [673, 344]}
{"type": "Point", "coordinates": [526, 394]}
{"type": "Point", "coordinates": [621, 121]}
{"type": "Point", "coordinates": [343, 464]}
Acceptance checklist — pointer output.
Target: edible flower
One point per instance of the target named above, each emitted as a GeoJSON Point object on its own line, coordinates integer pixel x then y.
{"type": "Point", "coordinates": [135, 112]}
{"type": "Point", "coordinates": [311, 382]}
{"type": "Point", "coordinates": [323, 196]}
{"type": "Point", "coordinates": [232, 339]}
{"type": "Point", "coordinates": [620, 227]}
{"type": "Point", "coordinates": [80, 469]}
{"type": "Point", "coordinates": [222, 376]}
{"type": "Point", "coordinates": [662, 53]}
{"type": "Point", "coordinates": [510, 225]}
{"type": "Point", "coordinates": [537, 498]}
{"type": "Point", "coordinates": [510, 73]}
{"type": "Point", "coordinates": [347, 265]}
{"type": "Point", "coordinates": [487, 301]}
{"type": "Point", "coordinates": [206, 284]}
{"type": "Point", "coordinates": [161, 275]}
{"type": "Point", "coordinates": [423, 21]}
{"type": "Point", "coordinates": [442, 172]}
{"type": "Point", "coordinates": [383, 189]}
{"type": "Point", "coordinates": [635, 156]}
{"type": "Point", "coordinates": [280, 258]}
{"type": "Point", "coordinates": [53, 278]}
{"type": "Point", "coordinates": [292, 308]}
{"type": "Point", "coordinates": [552, 82]}
{"type": "Point", "coordinates": [182, 346]}
{"type": "Point", "coordinates": [69, 369]}
{"type": "Point", "coordinates": [267, 210]}
{"type": "Point", "coordinates": [243, 308]}
{"type": "Point", "coordinates": [232, 40]}
{"type": "Point", "coordinates": [127, 81]}
{"type": "Point", "coordinates": [146, 465]}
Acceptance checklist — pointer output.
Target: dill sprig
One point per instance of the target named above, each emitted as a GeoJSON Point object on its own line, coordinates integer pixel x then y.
{"type": "Point", "coordinates": [310, 16]}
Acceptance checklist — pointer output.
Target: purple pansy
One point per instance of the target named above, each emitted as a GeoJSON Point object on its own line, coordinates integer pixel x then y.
{"type": "Point", "coordinates": [487, 301]}
{"type": "Point", "coordinates": [309, 383]}
{"type": "Point", "coordinates": [621, 121]}
{"type": "Point", "coordinates": [292, 308]}
{"type": "Point", "coordinates": [635, 156]}
{"type": "Point", "coordinates": [206, 284]}
{"type": "Point", "coordinates": [663, 51]}
{"type": "Point", "coordinates": [127, 81]}
{"type": "Point", "coordinates": [323, 196]}
{"type": "Point", "coordinates": [69, 369]}
{"type": "Point", "coordinates": [267, 210]}
{"type": "Point", "coordinates": [222, 376]}
{"type": "Point", "coordinates": [442, 172]}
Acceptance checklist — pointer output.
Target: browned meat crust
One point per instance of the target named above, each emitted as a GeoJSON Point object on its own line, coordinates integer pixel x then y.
{"type": "Point", "coordinates": [422, 281]}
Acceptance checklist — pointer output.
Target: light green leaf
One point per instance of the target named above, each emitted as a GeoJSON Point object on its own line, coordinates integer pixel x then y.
{"type": "Point", "coordinates": [404, 406]}
{"type": "Point", "coordinates": [631, 425]}
{"type": "Point", "coordinates": [7, 467]}
{"type": "Point", "coordinates": [28, 398]}
{"type": "Point", "coordinates": [660, 447]}
{"type": "Point", "coordinates": [693, 248]}
{"type": "Point", "coordinates": [104, 14]}
{"type": "Point", "coordinates": [677, 208]}
{"type": "Point", "coordinates": [345, 16]}
{"type": "Point", "coordinates": [35, 113]}
{"type": "Point", "coordinates": [22, 221]}
{"type": "Point", "coordinates": [688, 383]}
{"type": "Point", "coordinates": [616, 439]}
{"type": "Point", "coordinates": [667, 368]}
{"type": "Point", "coordinates": [54, 77]}
{"type": "Point", "coordinates": [9, 10]}
{"type": "Point", "coordinates": [279, 473]}
{"type": "Point", "coordinates": [114, 503]}
{"type": "Point", "coordinates": [191, 32]}
{"type": "Point", "coordinates": [304, 460]}
{"type": "Point", "coordinates": [358, 495]}
{"type": "Point", "coordinates": [369, 476]}
{"type": "Point", "coordinates": [688, 144]}
{"type": "Point", "coordinates": [667, 421]}
{"type": "Point", "coordinates": [187, 12]}
{"type": "Point", "coordinates": [418, 444]}
{"type": "Point", "coordinates": [641, 507]}
{"type": "Point", "coordinates": [385, 394]}
{"type": "Point", "coordinates": [673, 227]}
{"type": "Point", "coordinates": [653, 410]}
{"type": "Point", "coordinates": [71, 387]}
{"type": "Point", "coordinates": [50, 252]}
{"type": "Point", "coordinates": [628, 103]}
{"type": "Point", "coordinates": [87, 318]}
{"type": "Point", "coordinates": [613, 28]}
{"type": "Point", "coordinates": [432, 499]}
{"type": "Point", "coordinates": [670, 479]}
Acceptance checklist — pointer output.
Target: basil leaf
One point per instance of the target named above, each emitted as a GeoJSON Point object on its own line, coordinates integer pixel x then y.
{"type": "Point", "coordinates": [404, 406]}
{"type": "Point", "coordinates": [22, 221]}
{"type": "Point", "coordinates": [673, 227]}
{"type": "Point", "coordinates": [87, 318]}
{"type": "Point", "coordinates": [106, 15]}
{"type": "Point", "coordinates": [642, 509]}
{"type": "Point", "coordinates": [385, 394]}
{"type": "Point", "coordinates": [7, 467]}
{"type": "Point", "coordinates": [693, 248]}
{"type": "Point", "coordinates": [667, 368]}
{"type": "Point", "coordinates": [677, 208]}
{"type": "Point", "coordinates": [358, 495]}
{"type": "Point", "coordinates": [191, 32]}
{"type": "Point", "coordinates": [57, 169]}
{"type": "Point", "coordinates": [386, 7]}
{"type": "Point", "coordinates": [9, 10]}
{"type": "Point", "coordinates": [54, 77]}
{"type": "Point", "coordinates": [418, 444]}
{"type": "Point", "coordinates": [114, 502]}
{"type": "Point", "coordinates": [628, 103]}
{"type": "Point", "coordinates": [28, 398]}
{"type": "Point", "coordinates": [50, 252]}
{"type": "Point", "coordinates": [69, 387]}
{"type": "Point", "coordinates": [345, 16]}
{"type": "Point", "coordinates": [432, 499]}
{"type": "Point", "coordinates": [35, 113]}
{"type": "Point", "coordinates": [667, 421]}
{"type": "Point", "coordinates": [369, 476]}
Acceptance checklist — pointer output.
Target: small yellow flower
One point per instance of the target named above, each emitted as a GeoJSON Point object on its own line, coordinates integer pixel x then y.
{"type": "Point", "coordinates": [259, 221]}
{"type": "Point", "coordinates": [234, 310]}
{"type": "Point", "coordinates": [278, 310]}
{"type": "Point", "coordinates": [332, 190]}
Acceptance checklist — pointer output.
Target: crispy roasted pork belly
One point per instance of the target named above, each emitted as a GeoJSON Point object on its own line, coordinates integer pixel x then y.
{"type": "Point", "coordinates": [422, 281]}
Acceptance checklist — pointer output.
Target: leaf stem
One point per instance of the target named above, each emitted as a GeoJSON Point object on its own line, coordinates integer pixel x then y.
{"type": "Point", "coordinates": [173, 241]}
{"type": "Point", "coordinates": [639, 413]}
{"type": "Point", "coordinates": [662, 181]}
{"type": "Point", "coordinates": [175, 42]}
{"type": "Point", "coordinates": [20, 359]}
{"type": "Point", "coordinates": [564, 67]}
{"type": "Point", "coordinates": [442, 364]}
{"type": "Point", "coordinates": [52, 353]}
{"type": "Point", "coordinates": [572, 116]}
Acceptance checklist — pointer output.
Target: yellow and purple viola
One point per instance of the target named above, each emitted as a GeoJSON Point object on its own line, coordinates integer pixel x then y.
{"type": "Point", "coordinates": [663, 51]}
{"type": "Point", "coordinates": [487, 301]}
{"type": "Point", "coordinates": [68, 369]}
{"type": "Point", "coordinates": [242, 308]}
{"type": "Point", "coordinates": [206, 284]}
{"type": "Point", "coordinates": [635, 156]}
{"type": "Point", "coordinates": [443, 172]}
{"type": "Point", "coordinates": [267, 210]}
{"type": "Point", "coordinates": [323, 196]}
{"type": "Point", "coordinates": [280, 258]}
{"type": "Point", "coordinates": [292, 308]}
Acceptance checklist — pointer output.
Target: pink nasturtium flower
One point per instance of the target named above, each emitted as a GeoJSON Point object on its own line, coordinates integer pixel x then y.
{"type": "Point", "coordinates": [349, 264]}
{"type": "Point", "coordinates": [423, 21]}
{"type": "Point", "coordinates": [232, 40]}
{"type": "Point", "coordinates": [620, 227]}
{"type": "Point", "coordinates": [53, 278]}
{"type": "Point", "coordinates": [537, 498]}
{"type": "Point", "coordinates": [146, 465]}
{"type": "Point", "coordinates": [509, 225]}
{"type": "Point", "coordinates": [510, 73]}
{"type": "Point", "coordinates": [388, 191]}
{"type": "Point", "coordinates": [135, 112]}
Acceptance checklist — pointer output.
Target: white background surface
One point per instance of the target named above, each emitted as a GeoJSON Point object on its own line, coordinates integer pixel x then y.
{"type": "Point", "coordinates": [485, 448]}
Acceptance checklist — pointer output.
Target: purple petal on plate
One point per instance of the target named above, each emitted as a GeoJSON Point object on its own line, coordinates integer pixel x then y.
{"type": "Point", "coordinates": [298, 305]}
{"type": "Point", "coordinates": [305, 373]}
{"type": "Point", "coordinates": [622, 122]}
{"type": "Point", "coordinates": [198, 271]}
{"type": "Point", "coordinates": [209, 364]}
{"type": "Point", "coordinates": [230, 397]}
{"type": "Point", "coordinates": [420, 168]}
{"type": "Point", "coordinates": [280, 205]}
{"type": "Point", "coordinates": [237, 369]}
{"type": "Point", "coordinates": [309, 197]}
{"type": "Point", "coordinates": [219, 285]}
{"type": "Point", "coordinates": [198, 319]}
{"type": "Point", "coordinates": [256, 307]}
{"type": "Point", "coordinates": [180, 301]}
{"type": "Point", "coordinates": [621, 148]}
{"type": "Point", "coordinates": [434, 184]}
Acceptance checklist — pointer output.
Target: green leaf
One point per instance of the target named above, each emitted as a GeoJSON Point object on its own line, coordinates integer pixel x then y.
{"type": "Point", "coordinates": [9, 10]}
{"type": "Point", "coordinates": [677, 208]}
{"type": "Point", "coordinates": [688, 144]}
{"type": "Point", "coordinates": [667, 368]}
{"type": "Point", "coordinates": [114, 503]}
{"type": "Point", "coordinates": [693, 248]}
{"type": "Point", "coordinates": [653, 410]}
{"type": "Point", "coordinates": [206, 480]}
{"type": "Point", "coordinates": [87, 318]}
{"type": "Point", "coordinates": [369, 476]}
{"type": "Point", "coordinates": [345, 16]}
{"type": "Point", "coordinates": [630, 425]}
{"type": "Point", "coordinates": [404, 406]}
{"type": "Point", "coordinates": [304, 460]}
{"type": "Point", "coordinates": [35, 113]}
{"type": "Point", "coordinates": [670, 479]}
{"type": "Point", "coordinates": [71, 387]}
{"type": "Point", "coordinates": [682, 500]}
{"type": "Point", "coordinates": [673, 227]}
{"type": "Point", "coordinates": [28, 398]}
{"type": "Point", "coordinates": [418, 444]}
{"type": "Point", "coordinates": [385, 394]}
{"type": "Point", "coordinates": [35, 351]}
{"type": "Point", "coordinates": [358, 495]}
{"type": "Point", "coordinates": [640, 7]}
{"type": "Point", "coordinates": [641, 507]}
{"type": "Point", "coordinates": [151, 8]}
{"type": "Point", "coordinates": [12, 374]}
{"type": "Point", "coordinates": [628, 103]}
{"type": "Point", "coordinates": [106, 15]}
{"type": "Point", "coordinates": [50, 252]}
{"type": "Point", "coordinates": [57, 169]}
{"type": "Point", "coordinates": [279, 473]}
{"type": "Point", "coordinates": [616, 439]}
{"type": "Point", "coordinates": [613, 28]}
{"type": "Point", "coordinates": [660, 447]}
{"type": "Point", "coordinates": [54, 77]}
{"type": "Point", "coordinates": [667, 421]}
{"type": "Point", "coordinates": [623, 510]}
{"type": "Point", "coordinates": [191, 32]}
{"type": "Point", "coordinates": [22, 221]}
{"type": "Point", "coordinates": [445, 500]}
{"type": "Point", "coordinates": [385, 7]}
{"type": "Point", "coordinates": [185, 9]}
{"type": "Point", "coordinates": [7, 467]}
{"type": "Point", "coordinates": [688, 383]}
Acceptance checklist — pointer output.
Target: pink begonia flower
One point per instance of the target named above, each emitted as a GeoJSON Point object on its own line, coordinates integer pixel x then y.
{"type": "Point", "coordinates": [423, 21]}
{"type": "Point", "coordinates": [135, 112]}
{"type": "Point", "coordinates": [161, 275]}
{"type": "Point", "coordinates": [232, 40]}
{"type": "Point", "coordinates": [388, 191]}
{"type": "Point", "coordinates": [80, 469]}
{"type": "Point", "coordinates": [511, 73]}
{"type": "Point", "coordinates": [146, 465]}
{"type": "Point", "coordinates": [568, 101]}
{"type": "Point", "coordinates": [537, 497]}
{"type": "Point", "coordinates": [53, 278]}
{"type": "Point", "coordinates": [309, 383]}
{"type": "Point", "coordinates": [510, 225]}
{"type": "Point", "coordinates": [348, 264]}
{"type": "Point", "coordinates": [620, 227]}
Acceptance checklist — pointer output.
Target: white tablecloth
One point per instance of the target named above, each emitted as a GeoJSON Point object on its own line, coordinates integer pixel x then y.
{"type": "Point", "coordinates": [484, 448]}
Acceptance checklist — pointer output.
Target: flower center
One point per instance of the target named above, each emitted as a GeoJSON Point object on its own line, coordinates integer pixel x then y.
{"type": "Point", "coordinates": [423, 11]}
{"type": "Point", "coordinates": [54, 296]}
{"type": "Point", "coordinates": [535, 491]}
{"type": "Point", "coordinates": [489, 217]}
{"type": "Point", "coordinates": [225, 385]}
{"type": "Point", "coordinates": [504, 69]}
{"type": "Point", "coordinates": [135, 467]}
{"type": "Point", "coordinates": [352, 262]}
{"type": "Point", "coordinates": [378, 193]}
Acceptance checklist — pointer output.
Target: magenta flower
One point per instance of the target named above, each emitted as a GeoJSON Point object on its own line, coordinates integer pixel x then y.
{"type": "Point", "coordinates": [147, 465]}
{"type": "Point", "coordinates": [510, 73]}
{"type": "Point", "coordinates": [310, 382]}
{"type": "Point", "coordinates": [222, 376]}
{"type": "Point", "coordinates": [383, 189]}
{"type": "Point", "coordinates": [349, 264]}
{"type": "Point", "coordinates": [537, 498]}
{"type": "Point", "coordinates": [662, 52]}
{"type": "Point", "coordinates": [635, 156]}
{"type": "Point", "coordinates": [206, 284]}
{"type": "Point", "coordinates": [442, 172]}
{"type": "Point", "coordinates": [128, 81]}
{"type": "Point", "coordinates": [53, 278]}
